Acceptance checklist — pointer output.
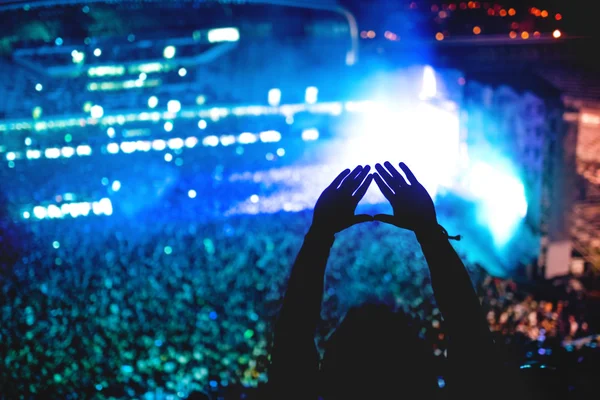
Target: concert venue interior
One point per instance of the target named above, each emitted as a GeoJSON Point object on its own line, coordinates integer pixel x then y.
{"type": "Point", "coordinates": [160, 163]}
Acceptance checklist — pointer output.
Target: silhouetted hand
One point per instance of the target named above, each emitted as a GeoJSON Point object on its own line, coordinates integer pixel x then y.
{"type": "Point", "coordinates": [413, 207]}
{"type": "Point", "coordinates": [335, 208]}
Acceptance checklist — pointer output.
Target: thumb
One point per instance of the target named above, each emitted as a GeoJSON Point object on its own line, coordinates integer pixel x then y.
{"type": "Point", "coordinates": [388, 219]}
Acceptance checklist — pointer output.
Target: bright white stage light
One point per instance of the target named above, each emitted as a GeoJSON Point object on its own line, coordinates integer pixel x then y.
{"type": "Point", "coordinates": [192, 194]}
{"type": "Point", "coordinates": [247, 138]}
{"type": "Point", "coordinates": [274, 97]}
{"type": "Point", "coordinates": [97, 111]}
{"type": "Point", "coordinates": [106, 206]}
{"type": "Point", "coordinates": [270, 136]}
{"type": "Point", "coordinates": [112, 148]}
{"type": "Point", "coordinates": [168, 126]}
{"type": "Point", "coordinates": [169, 52]}
{"type": "Point", "coordinates": [67, 152]}
{"type": "Point", "coordinates": [52, 152]}
{"type": "Point", "coordinates": [143, 145]}
{"type": "Point", "coordinates": [503, 203]}
{"type": "Point", "coordinates": [175, 143]}
{"type": "Point", "coordinates": [429, 89]}
{"type": "Point", "coordinates": [116, 186]}
{"type": "Point", "coordinates": [173, 106]}
{"type": "Point", "coordinates": [202, 124]}
{"type": "Point", "coordinates": [423, 136]}
{"type": "Point", "coordinates": [152, 101]}
{"type": "Point", "coordinates": [39, 212]}
{"type": "Point", "coordinates": [311, 95]}
{"type": "Point", "coordinates": [310, 134]}
{"type": "Point", "coordinates": [223, 35]}
{"type": "Point", "coordinates": [84, 150]}
{"type": "Point", "coordinates": [54, 211]}
{"type": "Point", "coordinates": [210, 141]}
{"type": "Point", "coordinates": [33, 154]}
{"type": "Point", "coordinates": [159, 144]}
{"type": "Point", "coordinates": [227, 140]}
{"type": "Point", "coordinates": [191, 141]}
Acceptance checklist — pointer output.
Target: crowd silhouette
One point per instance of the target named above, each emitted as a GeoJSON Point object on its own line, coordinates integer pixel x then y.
{"type": "Point", "coordinates": [112, 314]}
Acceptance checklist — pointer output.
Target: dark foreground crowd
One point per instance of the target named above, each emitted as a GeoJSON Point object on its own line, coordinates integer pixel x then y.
{"type": "Point", "coordinates": [168, 308]}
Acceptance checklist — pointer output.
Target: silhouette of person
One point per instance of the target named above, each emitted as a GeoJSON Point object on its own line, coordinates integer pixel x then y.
{"type": "Point", "coordinates": [375, 353]}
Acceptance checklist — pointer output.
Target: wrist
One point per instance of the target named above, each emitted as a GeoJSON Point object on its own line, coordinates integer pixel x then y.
{"type": "Point", "coordinates": [431, 233]}
{"type": "Point", "coordinates": [320, 234]}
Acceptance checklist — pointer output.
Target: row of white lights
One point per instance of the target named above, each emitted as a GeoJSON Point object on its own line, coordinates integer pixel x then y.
{"type": "Point", "coordinates": [213, 113]}
{"type": "Point", "coordinates": [174, 106]}
{"type": "Point", "coordinates": [270, 136]}
{"type": "Point", "coordinates": [74, 210]}
{"type": "Point", "coordinates": [52, 152]}
{"type": "Point", "coordinates": [128, 147]}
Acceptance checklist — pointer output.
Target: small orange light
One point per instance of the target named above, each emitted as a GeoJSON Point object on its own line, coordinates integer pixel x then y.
{"type": "Point", "coordinates": [477, 30]}
{"type": "Point", "coordinates": [558, 16]}
{"type": "Point", "coordinates": [538, 12]}
{"type": "Point", "coordinates": [512, 34]}
{"type": "Point", "coordinates": [439, 36]}
{"type": "Point", "coordinates": [536, 34]}
{"type": "Point", "coordinates": [491, 12]}
{"type": "Point", "coordinates": [512, 11]}
{"type": "Point", "coordinates": [544, 14]}
{"type": "Point", "coordinates": [371, 34]}
{"type": "Point", "coordinates": [532, 10]}
{"type": "Point", "coordinates": [471, 4]}
{"type": "Point", "coordinates": [556, 34]}
{"type": "Point", "coordinates": [525, 35]}
{"type": "Point", "coordinates": [503, 13]}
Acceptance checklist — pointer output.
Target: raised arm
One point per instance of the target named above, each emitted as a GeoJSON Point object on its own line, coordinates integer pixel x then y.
{"type": "Point", "coordinates": [294, 358]}
{"type": "Point", "coordinates": [470, 340]}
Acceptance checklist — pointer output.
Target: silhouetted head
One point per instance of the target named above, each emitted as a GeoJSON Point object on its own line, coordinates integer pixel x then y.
{"type": "Point", "coordinates": [376, 352]}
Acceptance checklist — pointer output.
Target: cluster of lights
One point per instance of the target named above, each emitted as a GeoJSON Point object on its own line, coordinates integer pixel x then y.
{"type": "Point", "coordinates": [51, 153]}
{"type": "Point", "coordinates": [526, 35]}
{"type": "Point", "coordinates": [77, 56]}
{"type": "Point", "coordinates": [128, 84]}
{"type": "Point", "coordinates": [223, 35]}
{"type": "Point", "coordinates": [270, 136]}
{"type": "Point", "coordinates": [443, 12]}
{"type": "Point", "coordinates": [391, 36]}
{"type": "Point", "coordinates": [544, 13]}
{"type": "Point", "coordinates": [368, 34]}
{"type": "Point", "coordinates": [334, 108]}
{"type": "Point", "coordinates": [128, 147]}
{"type": "Point", "coordinates": [74, 210]}
{"type": "Point", "coordinates": [118, 70]}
